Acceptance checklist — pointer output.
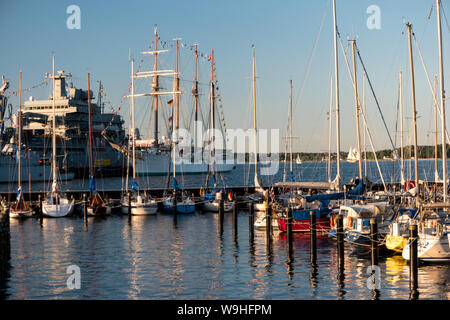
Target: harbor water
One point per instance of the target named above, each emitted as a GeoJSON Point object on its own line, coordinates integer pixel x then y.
{"type": "Point", "coordinates": [190, 257]}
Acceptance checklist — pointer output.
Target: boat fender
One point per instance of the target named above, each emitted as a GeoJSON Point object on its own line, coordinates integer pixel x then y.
{"type": "Point", "coordinates": [350, 222]}
{"type": "Point", "coordinates": [332, 221]}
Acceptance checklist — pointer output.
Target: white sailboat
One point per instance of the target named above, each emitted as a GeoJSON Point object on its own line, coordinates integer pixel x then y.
{"type": "Point", "coordinates": [56, 204]}
{"type": "Point", "coordinates": [20, 209]}
{"type": "Point", "coordinates": [139, 204]}
{"type": "Point", "coordinates": [353, 155]}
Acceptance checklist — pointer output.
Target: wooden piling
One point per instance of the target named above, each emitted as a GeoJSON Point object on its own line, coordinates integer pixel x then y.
{"type": "Point", "coordinates": [413, 258]}
{"type": "Point", "coordinates": [235, 212]}
{"type": "Point", "coordinates": [313, 237]}
{"type": "Point", "coordinates": [85, 207]}
{"type": "Point", "coordinates": [340, 241]}
{"type": "Point", "coordinates": [268, 220]}
{"type": "Point", "coordinates": [373, 241]}
{"type": "Point", "coordinates": [251, 221]}
{"type": "Point", "coordinates": [129, 204]}
{"type": "Point", "coordinates": [289, 234]}
{"type": "Point", "coordinates": [174, 201]}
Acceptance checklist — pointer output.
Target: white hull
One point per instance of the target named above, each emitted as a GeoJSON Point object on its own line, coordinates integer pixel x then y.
{"type": "Point", "coordinates": [260, 222]}
{"type": "Point", "coordinates": [430, 248]}
{"type": "Point", "coordinates": [63, 209]}
{"type": "Point", "coordinates": [151, 163]}
{"type": "Point", "coordinates": [261, 207]}
{"type": "Point", "coordinates": [21, 214]}
{"type": "Point", "coordinates": [213, 206]}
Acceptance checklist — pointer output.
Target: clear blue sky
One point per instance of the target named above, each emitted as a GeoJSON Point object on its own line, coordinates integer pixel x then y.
{"type": "Point", "coordinates": [283, 33]}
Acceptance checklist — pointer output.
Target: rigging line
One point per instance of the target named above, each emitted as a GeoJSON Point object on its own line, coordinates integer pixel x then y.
{"type": "Point", "coordinates": [429, 83]}
{"type": "Point", "coordinates": [445, 16]}
{"type": "Point", "coordinates": [311, 56]}
{"type": "Point", "coordinates": [364, 117]}
{"type": "Point", "coordinates": [376, 101]}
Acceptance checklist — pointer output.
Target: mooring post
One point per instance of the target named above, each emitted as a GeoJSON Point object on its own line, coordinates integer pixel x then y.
{"type": "Point", "coordinates": [340, 241]}
{"type": "Point", "coordinates": [313, 237]}
{"type": "Point", "coordinates": [235, 227]}
{"type": "Point", "coordinates": [373, 241]}
{"type": "Point", "coordinates": [40, 206]}
{"type": "Point", "coordinates": [413, 259]}
{"type": "Point", "coordinates": [174, 200]}
{"type": "Point", "coordinates": [84, 207]}
{"type": "Point", "coordinates": [395, 198]}
{"type": "Point", "coordinates": [129, 204]}
{"type": "Point", "coordinates": [221, 208]}
{"type": "Point", "coordinates": [289, 230]}
{"type": "Point", "coordinates": [251, 221]}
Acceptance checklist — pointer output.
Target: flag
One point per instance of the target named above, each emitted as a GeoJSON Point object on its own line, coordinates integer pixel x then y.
{"type": "Point", "coordinates": [171, 118]}
{"type": "Point", "coordinates": [210, 57]}
{"type": "Point", "coordinates": [230, 197]}
{"type": "Point", "coordinates": [19, 193]}
{"type": "Point", "coordinates": [170, 102]}
{"type": "Point", "coordinates": [134, 185]}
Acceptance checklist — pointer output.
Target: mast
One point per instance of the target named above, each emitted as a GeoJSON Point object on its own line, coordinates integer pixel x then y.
{"type": "Point", "coordinates": [54, 131]}
{"type": "Point", "coordinates": [413, 93]}
{"type": "Point", "coordinates": [254, 119]}
{"type": "Point", "coordinates": [441, 72]}
{"type": "Point", "coordinates": [19, 125]}
{"type": "Point", "coordinates": [336, 84]}
{"type": "Point", "coordinates": [329, 130]}
{"type": "Point", "coordinates": [213, 118]}
{"type": "Point", "coordinates": [133, 130]}
{"type": "Point", "coordinates": [91, 168]}
{"type": "Point", "coordinates": [177, 86]}
{"type": "Point", "coordinates": [290, 125]}
{"type": "Point", "coordinates": [358, 128]}
{"type": "Point", "coordinates": [155, 85]}
{"type": "Point", "coordinates": [436, 174]}
{"type": "Point", "coordinates": [402, 173]}
{"type": "Point", "coordinates": [195, 94]}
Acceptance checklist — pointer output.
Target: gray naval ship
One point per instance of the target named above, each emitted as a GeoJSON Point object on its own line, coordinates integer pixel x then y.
{"type": "Point", "coordinates": [72, 130]}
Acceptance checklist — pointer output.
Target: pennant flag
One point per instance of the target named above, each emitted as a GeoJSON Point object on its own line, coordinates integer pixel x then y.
{"type": "Point", "coordinates": [134, 185]}
{"type": "Point", "coordinates": [210, 57]}
{"type": "Point", "coordinates": [19, 193]}
{"type": "Point", "coordinates": [176, 185]}
{"type": "Point", "coordinates": [92, 188]}
{"type": "Point", "coordinates": [230, 197]}
{"type": "Point", "coordinates": [170, 102]}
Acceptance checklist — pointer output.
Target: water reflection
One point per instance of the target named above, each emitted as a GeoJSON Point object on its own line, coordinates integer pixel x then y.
{"type": "Point", "coordinates": [150, 257]}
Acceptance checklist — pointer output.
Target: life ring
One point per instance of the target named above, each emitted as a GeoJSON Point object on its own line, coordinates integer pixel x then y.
{"type": "Point", "coordinates": [409, 185]}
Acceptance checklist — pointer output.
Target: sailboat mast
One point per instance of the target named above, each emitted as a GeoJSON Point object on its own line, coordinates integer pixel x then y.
{"type": "Point", "coordinates": [402, 173]}
{"type": "Point", "coordinates": [441, 72]}
{"type": "Point", "coordinates": [213, 116]}
{"type": "Point", "coordinates": [329, 129]}
{"type": "Point", "coordinates": [90, 128]}
{"type": "Point", "coordinates": [19, 127]}
{"type": "Point", "coordinates": [177, 86]}
{"type": "Point", "coordinates": [254, 116]}
{"type": "Point", "coordinates": [133, 130]}
{"type": "Point", "coordinates": [54, 129]}
{"type": "Point", "coordinates": [155, 86]}
{"type": "Point", "coordinates": [290, 124]}
{"type": "Point", "coordinates": [336, 84]}
{"type": "Point", "coordinates": [357, 109]}
{"type": "Point", "coordinates": [195, 94]}
{"type": "Point", "coordinates": [435, 133]}
{"type": "Point", "coordinates": [413, 93]}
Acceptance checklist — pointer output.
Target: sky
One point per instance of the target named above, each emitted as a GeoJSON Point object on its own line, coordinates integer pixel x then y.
{"type": "Point", "coordinates": [284, 34]}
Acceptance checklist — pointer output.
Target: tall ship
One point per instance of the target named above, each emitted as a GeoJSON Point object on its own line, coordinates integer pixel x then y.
{"type": "Point", "coordinates": [155, 153]}
{"type": "Point", "coordinates": [71, 129]}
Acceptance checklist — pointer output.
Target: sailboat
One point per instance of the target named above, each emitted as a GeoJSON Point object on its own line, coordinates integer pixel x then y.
{"type": "Point", "coordinates": [139, 204]}
{"type": "Point", "coordinates": [96, 206]}
{"type": "Point", "coordinates": [177, 202]}
{"type": "Point", "coordinates": [211, 200]}
{"type": "Point", "coordinates": [298, 160]}
{"type": "Point", "coordinates": [56, 204]}
{"type": "Point", "coordinates": [353, 155]}
{"type": "Point", "coordinates": [20, 209]}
